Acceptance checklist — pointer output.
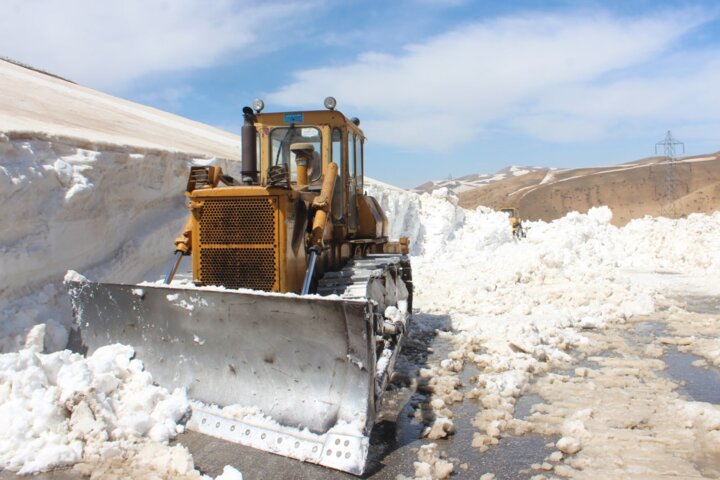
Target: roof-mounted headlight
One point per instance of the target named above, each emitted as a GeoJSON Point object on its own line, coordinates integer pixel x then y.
{"type": "Point", "coordinates": [330, 103]}
{"type": "Point", "coordinates": [258, 105]}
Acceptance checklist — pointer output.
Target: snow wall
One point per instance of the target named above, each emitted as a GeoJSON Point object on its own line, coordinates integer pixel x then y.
{"type": "Point", "coordinates": [110, 212]}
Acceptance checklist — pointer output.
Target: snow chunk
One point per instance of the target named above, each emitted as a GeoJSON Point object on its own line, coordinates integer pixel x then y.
{"type": "Point", "coordinates": [73, 276]}
{"type": "Point", "coordinates": [229, 473]}
{"type": "Point", "coordinates": [568, 445]}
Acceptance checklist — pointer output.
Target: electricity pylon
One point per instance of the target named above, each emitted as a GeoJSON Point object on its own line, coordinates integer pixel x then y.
{"type": "Point", "coordinates": [669, 145]}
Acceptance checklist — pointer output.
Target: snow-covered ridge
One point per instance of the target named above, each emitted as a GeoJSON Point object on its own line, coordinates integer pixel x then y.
{"type": "Point", "coordinates": [471, 182]}
{"type": "Point", "coordinates": [33, 102]}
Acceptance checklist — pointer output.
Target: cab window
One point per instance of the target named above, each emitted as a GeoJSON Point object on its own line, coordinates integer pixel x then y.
{"type": "Point", "coordinates": [336, 152]}
{"type": "Point", "coordinates": [281, 138]}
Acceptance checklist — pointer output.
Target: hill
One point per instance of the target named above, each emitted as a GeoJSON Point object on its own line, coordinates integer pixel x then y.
{"type": "Point", "coordinates": [651, 186]}
{"type": "Point", "coordinates": [470, 182]}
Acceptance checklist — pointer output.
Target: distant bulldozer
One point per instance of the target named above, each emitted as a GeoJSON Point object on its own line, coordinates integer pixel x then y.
{"type": "Point", "coordinates": [515, 221]}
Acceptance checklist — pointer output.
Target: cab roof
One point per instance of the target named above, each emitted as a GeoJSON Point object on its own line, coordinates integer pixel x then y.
{"type": "Point", "coordinates": [331, 118]}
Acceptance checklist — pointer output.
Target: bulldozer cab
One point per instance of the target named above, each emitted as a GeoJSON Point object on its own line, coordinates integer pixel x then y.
{"type": "Point", "coordinates": [510, 212]}
{"type": "Point", "coordinates": [334, 138]}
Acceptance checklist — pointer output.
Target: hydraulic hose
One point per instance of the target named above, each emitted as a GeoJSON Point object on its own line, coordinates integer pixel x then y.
{"type": "Point", "coordinates": [173, 267]}
{"type": "Point", "coordinates": [309, 272]}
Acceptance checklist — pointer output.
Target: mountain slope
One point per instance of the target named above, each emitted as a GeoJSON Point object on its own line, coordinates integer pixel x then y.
{"type": "Point", "coordinates": [631, 190]}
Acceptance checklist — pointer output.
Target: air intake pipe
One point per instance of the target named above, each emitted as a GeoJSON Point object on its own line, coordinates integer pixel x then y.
{"type": "Point", "coordinates": [249, 148]}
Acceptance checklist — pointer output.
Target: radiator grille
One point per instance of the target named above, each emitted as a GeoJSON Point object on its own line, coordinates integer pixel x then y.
{"type": "Point", "coordinates": [238, 248]}
{"type": "Point", "coordinates": [239, 267]}
{"type": "Point", "coordinates": [238, 221]}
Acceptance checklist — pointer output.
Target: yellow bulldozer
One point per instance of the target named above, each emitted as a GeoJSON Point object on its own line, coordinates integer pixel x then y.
{"type": "Point", "coordinates": [298, 304]}
{"type": "Point", "coordinates": [515, 221]}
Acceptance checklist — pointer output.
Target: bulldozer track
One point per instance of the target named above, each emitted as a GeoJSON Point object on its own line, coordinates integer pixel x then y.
{"type": "Point", "coordinates": [352, 282]}
{"type": "Point", "coordinates": [379, 279]}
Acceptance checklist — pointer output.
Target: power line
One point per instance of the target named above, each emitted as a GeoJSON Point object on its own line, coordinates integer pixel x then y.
{"type": "Point", "coordinates": [669, 145]}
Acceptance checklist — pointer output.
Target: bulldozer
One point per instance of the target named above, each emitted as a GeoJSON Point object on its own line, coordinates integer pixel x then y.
{"type": "Point", "coordinates": [515, 221]}
{"type": "Point", "coordinates": [298, 302]}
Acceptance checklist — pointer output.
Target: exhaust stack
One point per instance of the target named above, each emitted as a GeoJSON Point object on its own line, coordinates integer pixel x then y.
{"type": "Point", "coordinates": [249, 148]}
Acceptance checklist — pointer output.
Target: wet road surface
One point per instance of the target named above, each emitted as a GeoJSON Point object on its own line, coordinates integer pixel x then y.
{"type": "Point", "coordinates": [396, 437]}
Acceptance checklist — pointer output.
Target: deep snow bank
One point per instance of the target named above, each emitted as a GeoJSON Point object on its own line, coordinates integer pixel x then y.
{"type": "Point", "coordinates": [468, 262]}
{"type": "Point", "coordinates": [573, 273]}
{"type": "Point", "coordinates": [35, 103]}
{"type": "Point", "coordinates": [112, 212]}
{"type": "Point", "coordinates": [105, 210]}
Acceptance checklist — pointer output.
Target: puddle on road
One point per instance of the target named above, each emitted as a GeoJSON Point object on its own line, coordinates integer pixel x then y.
{"type": "Point", "coordinates": [512, 457]}
{"type": "Point", "coordinates": [700, 384]}
{"type": "Point", "coordinates": [650, 330]}
{"type": "Point", "coordinates": [524, 404]}
{"type": "Point", "coordinates": [644, 333]}
{"type": "Point", "coordinates": [394, 444]}
{"type": "Point", "coordinates": [696, 383]}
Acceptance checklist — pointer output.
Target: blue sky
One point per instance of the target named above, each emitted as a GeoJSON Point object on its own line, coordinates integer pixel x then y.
{"type": "Point", "coordinates": [441, 87]}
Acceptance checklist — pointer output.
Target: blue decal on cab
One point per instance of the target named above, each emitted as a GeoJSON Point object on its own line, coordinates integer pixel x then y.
{"type": "Point", "coordinates": [293, 118]}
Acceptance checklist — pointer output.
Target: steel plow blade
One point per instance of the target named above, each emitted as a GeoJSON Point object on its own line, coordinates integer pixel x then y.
{"type": "Point", "coordinates": [306, 361]}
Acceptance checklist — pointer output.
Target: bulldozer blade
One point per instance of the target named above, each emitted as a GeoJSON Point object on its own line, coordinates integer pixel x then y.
{"type": "Point", "coordinates": [306, 361]}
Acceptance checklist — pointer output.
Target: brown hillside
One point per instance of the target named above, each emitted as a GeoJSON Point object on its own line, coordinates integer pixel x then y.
{"type": "Point", "coordinates": [631, 190]}
{"type": "Point", "coordinates": [492, 193]}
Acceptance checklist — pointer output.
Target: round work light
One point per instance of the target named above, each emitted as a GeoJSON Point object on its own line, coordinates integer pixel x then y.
{"type": "Point", "coordinates": [330, 103]}
{"type": "Point", "coordinates": [258, 105]}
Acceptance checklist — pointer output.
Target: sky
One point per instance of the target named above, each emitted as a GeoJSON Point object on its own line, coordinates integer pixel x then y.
{"type": "Point", "coordinates": [442, 88]}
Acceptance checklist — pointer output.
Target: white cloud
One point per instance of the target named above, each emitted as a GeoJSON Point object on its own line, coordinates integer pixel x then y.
{"type": "Point", "coordinates": [689, 97]}
{"type": "Point", "coordinates": [107, 44]}
{"type": "Point", "coordinates": [497, 74]}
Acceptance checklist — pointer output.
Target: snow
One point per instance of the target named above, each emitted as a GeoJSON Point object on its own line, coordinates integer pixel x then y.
{"type": "Point", "coordinates": [37, 105]}
{"type": "Point", "coordinates": [107, 202]}
{"type": "Point", "coordinates": [518, 171]}
{"type": "Point", "coordinates": [526, 301]}
{"type": "Point", "coordinates": [109, 213]}
{"type": "Point", "coordinates": [229, 473]}
{"type": "Point", "coordinates": [472, 182]}
{"type": "Point", "coordinates": [697, 159]}
{"type": "Point", "coordinates": [62, 407]}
